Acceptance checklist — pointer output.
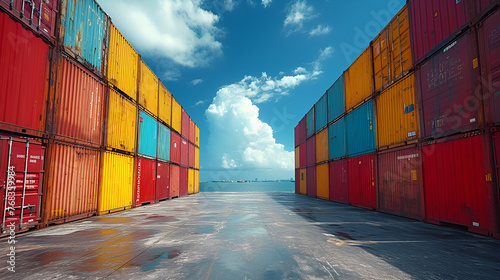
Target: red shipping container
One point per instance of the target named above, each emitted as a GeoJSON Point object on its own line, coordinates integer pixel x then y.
{"type": "Point", "coordinates": [145, 180]}
{"type": "Point", "coordinates": [458, 184]}
{"type": "Point", "coordinates": [174, 180]}
{"type": "Point", "coordinates": [23, 69]}
{"type": "Point", "coordinates": [15, 180]}
{"type": "Point", "coordinates": [362, 186]}
{"type": "Point", "coordinates": [303, 155]}
{"type": "Point", "coordinates": [175, 147]}
{"type": "Point", "coordinates": [300, 132]}
{"type": "Point", "coordinates": [192, 131]}
{"type": "Point", "coordinates": [339, 187]}
{"type": "Point", "coordinates": [78, 103]}
{"type": "Point", "coordinates": [191, 155]}
{"type": "Point", "coordinates": [496, 141]}
{"type": "Point", "coordinates": [311, 151]}
{"type": "Point", "coordinates": [431, 22]}
{"type": "Point", "coordinates": [311, 181]}
{"type": "Point", "coordinates": [162, 181]}
{"type": "Point", "coordinates": [445, 84]}
{"type": "Point", "coordinates": [184, 152]}
{"type": "Point", "coordinates": [184, 181]}
{"type": "Point", "coordinates": [400, 189]}
{"type": "Point", "coordinates": [297, 181]}
{"type": "Point", "coordinates": [185, 120]}
{"type": "Point", "coordinates": [483, 5]}
{"type": "Point", "coordinates": [489, 46]}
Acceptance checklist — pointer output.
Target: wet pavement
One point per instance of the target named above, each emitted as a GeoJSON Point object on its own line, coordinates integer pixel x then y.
{"type": "Point", "coordinates": [251, 236]}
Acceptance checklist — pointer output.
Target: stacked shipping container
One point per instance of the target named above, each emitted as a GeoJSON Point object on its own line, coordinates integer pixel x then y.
{"type": "Point", "coordinates": [106, 121]}
{"type": "Point", "coordinates": [417, 139]}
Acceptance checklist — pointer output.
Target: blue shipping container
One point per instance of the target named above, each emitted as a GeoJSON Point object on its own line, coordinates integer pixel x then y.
{"type": "Point", "coordinates": [336, 99]}
{"type": "Point", "coordinates": [360, 127]}
{"type": "Point", "coordinates": [310, 122]}
{"type": "Point", "coordinates": [83, 27]}
{"type": "Point", "coordinates": [337, 139]}
{"type": "Point", "coordinates": [163, 142]}
{"type": "Point", "coordinates": [148, 130]}
{"type": "Point", "coordinates": [321, 111]}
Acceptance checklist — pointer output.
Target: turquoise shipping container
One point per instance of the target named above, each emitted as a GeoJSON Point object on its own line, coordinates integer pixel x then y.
{"type": "Point", "coordinates": [163, 142]}
{"type": "Point", "coordinates": [337, 139]}
{"type": "Point", "coordinates": [360, 128]}
{"type": "Point", "coordinates": [310, 122]}
{"type": "Point", "coordinates": [321, 111]}
{"type": "Point", "coordinates": [336, 99]}
{"type": "Point", "coordinates": [148, 133]}
{"type": "Point", "coordinates": [83, 30]}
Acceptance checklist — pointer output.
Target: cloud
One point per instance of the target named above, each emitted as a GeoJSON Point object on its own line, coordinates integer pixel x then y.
{"type": "Point", "coordinates": [196, 82]}
{"type": "Point", "coordinates": [266, 3]}
{"type": "Point", "coordinates": [297, 14]}
{"type": "Point", "coordinates": [199, 102]}
{"type": "Point", "coordinates": [320, 30]}
{"type": "Point", "coordinates": [323, 55]}
{"type": "Point", "coordinates": [229, 5]}
{"type": "Point", "coordinates": [181, 31]}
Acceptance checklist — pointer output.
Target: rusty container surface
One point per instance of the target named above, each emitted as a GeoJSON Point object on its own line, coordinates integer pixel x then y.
{"type": "Point", "coordinates": [174, 180]}
{"type": "Point", "coordinates": [122, 120]}
{"type": "Point", "coordinates": [117, 183]}
{"type": "Point", "coordinates": [175, 148]}
{"type": "Point", "coordinates": [191, 181]}
{"type": "Point", "coordinates": [145, 184]}
{"type": "Point", "coordinates": [362, 184]}
{"type": "Point", "coordinates": [23, 69]}
{"type": "Point", "coordinates": [148, 89]}
{"type": "Point", "coordinates": [311, 182]}
{"type": "Point", "coordinates": [183, 181]}
{"type": "Point", "coordinates": [400, 188]}
{"type": "Point", "coordinates": [176, 116]}
{"type": "Point", "coordinates": [162, 181]}
{"type": "Point", "coordinates": [78, 106]}
{"type": "Point", "coordinates": [322, 181]}
{"type": "Point", "coordinates": [73, 182]}
{"type": "Point", "coordinates": [359, 80]}
{"type": "Point", "coordinates": [184, 152]}
{"type": "Point", "coordinates": [164, 105]}
{"type": "Point", "coordinates": [322, 146]}
{"type": "Point", "coordinates": [303, 181]}
{"type": "Point", "coordinates": [339, 187]}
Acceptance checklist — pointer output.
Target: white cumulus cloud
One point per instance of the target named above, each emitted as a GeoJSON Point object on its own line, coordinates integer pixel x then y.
{"type": "Point", "coordinates": [196, 82]}
{"type": "Point", "coordinates": [299, 12]}
{"type": "Point", "coordinates": [320, 30]}
{"type": "Point", "coordinates": [266, 3]}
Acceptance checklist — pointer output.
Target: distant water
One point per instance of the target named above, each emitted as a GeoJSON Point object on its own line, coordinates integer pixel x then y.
{"type": "Point", "coordinates": [248, 187]}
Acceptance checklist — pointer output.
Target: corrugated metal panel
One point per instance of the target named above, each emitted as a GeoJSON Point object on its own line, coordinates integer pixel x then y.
{"type": "Point", "coordinates": [184, 152]}
{"type": "Point", "coordinates": [297, 181]}
{"type": "Point", "coordinates": [322, 179]}
{"type": "Point", "coordinates": [175, 148]}
{"type": "Point", "coordinates": [191, 155]}
{"type": "Point", "coordinates": [489, 37]}
{"type": "Point", "coordinates": [311, 151]}
{"type": "Point", "coordinates": [196, 181]}
{"type": "Point", "coordinates": [445, 84]}
{"type": "Point", "coordinates": [148, 133]}
{"type": "Point", "coordinates": [148, 89]}
{"type": "Point", "coordinates": [303, 181]}
{"type": "Point", "coordinates": [192, 131]}
{"type": "Point", "coordinates": [297, 158]}
{"type": "Point", "coordinates": [337, 139]}
{"type": "Point", "coordinates": [196, 158]}
{"type": "Point", "coordinates": [165, 105]}
{"type": "Point", "coordinates": [339, 187]}
{"type": "Point", "coordinates": [311, 181]}
{"type": "Point", "coordinates": [145, 180]}
{"type": "Point", "coordinates": [362, 188]}
{"type": "Point", "coordinates": [174, 180]}
{"type": "Point", "coordinates": [336, 99]}
{"type": "Point", "coordinates": [117, 188]}
{"type": "Point", "coordinates": [303, 155]}
{"type": "Point", "coordinates": [73, 182]}
{"type": "Point", "coordinates": [23, 71]}
{"type": "Point", "coordinates": [457, 184]}
{"type": "Point", "coordinates": [321, 111]}
{"type": "Point", "coordinates": [431, 22]}
{"type": "Point", "coordinates": [397, 114]}
{"type": "Point", "coordinates": [482, 5]}
{"type": "Point", "coordinates": [185, 124]}
{"type": "Point", "coordinates": [310, 122]}
{"type": "Point", "coordinates": [381, 58]}
{"type": "Point", "coordinates": [322, 146]}
{"type": "Point", "coordinates": [360, 126]}
{"type": "Point", "coordinates": [162, 181]}
{"type": "Point", "coordinates": [183, 181]}
{"type": "Point", "coordinates": [400, 189]}
{"type": "Point", "coordinates": [176, 115]}
{"type": "Point", "coordinates": [359, 80]}
{"type": "Point", "coordinates": [301, 132]}
{"type": "Point", "coordinates": [196, 135]}
{"type": "Point", "coordinates": [496, 143]}
{"type": "Point", "coordinates": [123, 63]}
{"type": "Point", "coordinates": [83, 30]}
{"type": "Point", "coordinates": [190, 181]}
{"type": "Point", "coordinates": [79, 104]}
{"type": "Point", "coordinates": [122, 119]}
{"type": "Point", "coordinates": [46, 18]}
{"type": "Point", "coordinates": [163, 142]}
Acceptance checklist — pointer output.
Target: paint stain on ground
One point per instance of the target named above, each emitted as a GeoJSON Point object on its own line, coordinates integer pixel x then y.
{"type": "Point", "coordinates": [343, 234]}
{"type": "Point", "coordinates": [48, 257]}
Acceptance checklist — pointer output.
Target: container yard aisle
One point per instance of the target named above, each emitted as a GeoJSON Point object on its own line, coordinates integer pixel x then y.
{"type": "Point", "coordinates": [252, 236]}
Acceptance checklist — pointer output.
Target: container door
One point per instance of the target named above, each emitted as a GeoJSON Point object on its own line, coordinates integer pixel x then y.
{"type": "Point", "coordinates": [162, 181]}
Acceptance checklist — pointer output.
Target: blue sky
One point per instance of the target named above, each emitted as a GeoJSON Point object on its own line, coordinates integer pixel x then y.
{"type": "Point", "coordinates": [247, 71]}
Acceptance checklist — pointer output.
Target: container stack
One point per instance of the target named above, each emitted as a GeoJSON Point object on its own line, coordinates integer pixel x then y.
{"type": "Point", "coordinates": [102, 133]}
{"type": "Point", "coordinates": [412, 125]}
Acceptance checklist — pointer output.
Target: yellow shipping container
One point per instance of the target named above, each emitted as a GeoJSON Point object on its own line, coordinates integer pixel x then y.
{"type": "Point", "coordinates": [165, 105]}
{"type": "Point", "coordinates": [397, 114]}
{"type": "Point", "coordinates": [303, 182]}
{"type": "Point", "coordinates": [322, 181]}
{"type": "Point", "coordinates": [196, 181]}
{"type": "Point", "coordinates": [322, 146]}
{"type": "Point", "coordinates": [148, 89]}
{"type": "Point", "coordinates": [117, 184]}
{"type": "Point", "coordinates": [196, 157]}
{"type": "Point", "coordinates": [297, 157]}
{"type": "Point", "coordinates": [122, 119]}
{"type": "Point", "coordinates": [123, 63]}
{"type": "Point", "coordinates": [176, 115]}
{"type": "Point", "coordinates": [359, 80]}
{"type": "Point", "coordinates": [197, 136]}
{"type": "Point", "coordinates": [190, 181]}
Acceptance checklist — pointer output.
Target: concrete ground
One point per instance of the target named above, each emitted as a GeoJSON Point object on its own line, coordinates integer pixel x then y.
{"type": "Point", "coordinates": [251, 236]}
